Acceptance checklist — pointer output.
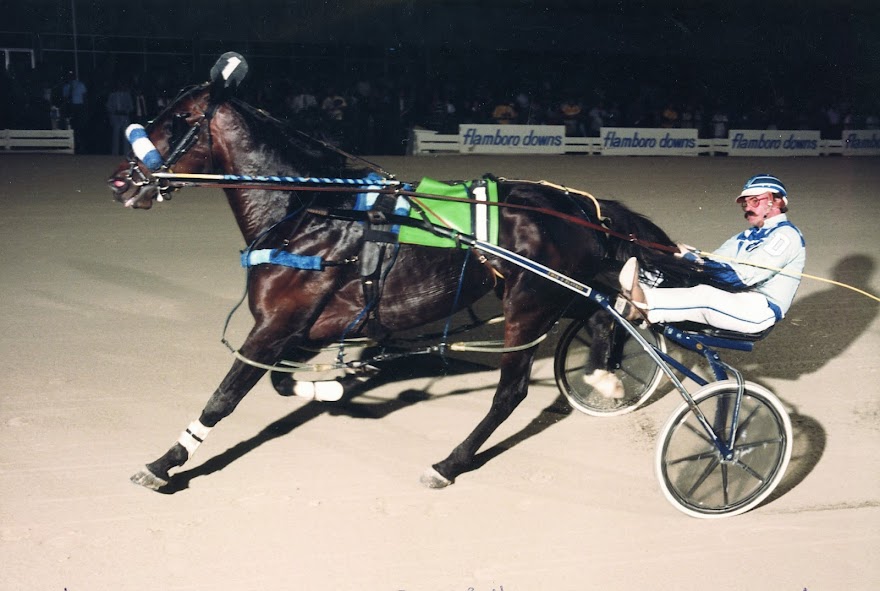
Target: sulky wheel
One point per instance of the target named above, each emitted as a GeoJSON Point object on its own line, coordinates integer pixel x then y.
{"type": "Point", "coordinates": [697, 478]}
{"type": "Point", "coordinates": [638, 373]}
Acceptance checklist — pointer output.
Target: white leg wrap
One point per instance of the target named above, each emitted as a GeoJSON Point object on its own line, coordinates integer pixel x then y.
{"type": "Point", "coordinates": [326, 391]}
{"type": "Point", "coordinates": [192, 438]}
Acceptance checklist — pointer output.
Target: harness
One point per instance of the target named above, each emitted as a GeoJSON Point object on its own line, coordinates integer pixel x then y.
{"type": "Point", "coordinates": [379, 236]}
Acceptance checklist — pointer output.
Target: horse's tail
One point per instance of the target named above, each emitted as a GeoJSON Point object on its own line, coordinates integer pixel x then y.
{"type": "Point", "coordinates": [656, 251]}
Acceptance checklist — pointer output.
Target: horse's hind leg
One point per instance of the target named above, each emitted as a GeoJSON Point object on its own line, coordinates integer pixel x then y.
{"type": "Point", "coordinates": [237, 383]}
{"type": "Point", "coordinates": [513, 384]}
{"type": "Point", "coordinates": [599, 372]}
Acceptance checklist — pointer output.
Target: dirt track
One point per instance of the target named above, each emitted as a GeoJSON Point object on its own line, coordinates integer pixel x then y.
{"type": "Point", "coordinates": [110, 333]}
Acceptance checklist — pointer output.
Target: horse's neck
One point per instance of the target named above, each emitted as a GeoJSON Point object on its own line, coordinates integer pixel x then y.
{"type": "Point", "coordinates": [257, 211]}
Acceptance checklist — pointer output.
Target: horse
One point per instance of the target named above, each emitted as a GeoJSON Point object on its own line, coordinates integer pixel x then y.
{"type": "Point", "coordinates": [209, 129]}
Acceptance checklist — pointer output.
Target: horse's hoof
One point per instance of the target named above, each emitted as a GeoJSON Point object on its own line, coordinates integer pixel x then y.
{"type": "Point", "coordinates": [149, 480]}
{"type": "Point", "coordinates": [605, 383]}
{"type": "Point", "coordinates": [433, 479]}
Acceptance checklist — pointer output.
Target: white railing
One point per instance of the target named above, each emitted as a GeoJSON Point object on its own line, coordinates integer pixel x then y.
{"type": "Point", "coordinates": [46, 141]}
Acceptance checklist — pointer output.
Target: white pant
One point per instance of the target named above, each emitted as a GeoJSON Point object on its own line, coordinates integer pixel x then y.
{"type": "Point", "coordinates": [743, 312]}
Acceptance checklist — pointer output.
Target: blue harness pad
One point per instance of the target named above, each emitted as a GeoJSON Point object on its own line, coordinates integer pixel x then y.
{"type": "Point", "coordinates": [251, 258]}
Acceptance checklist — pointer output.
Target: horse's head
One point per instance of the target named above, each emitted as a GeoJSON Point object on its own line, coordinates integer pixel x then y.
{"type": "Point", "coordinates": [180, 136]}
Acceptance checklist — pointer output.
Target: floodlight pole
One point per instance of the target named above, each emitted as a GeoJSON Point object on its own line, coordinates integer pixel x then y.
{"type": "Point", "coordinates": [75, 47]}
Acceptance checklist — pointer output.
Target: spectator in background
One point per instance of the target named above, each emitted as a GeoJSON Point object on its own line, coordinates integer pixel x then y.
{"type": "Point", "coordinates": [669, 117]}
{"type": "Point", "coordinates": [73, 95]}
{"type": "Point", "coordinates": [120, 106]}
{"type": "Point", "coordinates": [688, 117]}
{"type": "Point", "coordinates": [537, 113]}
{"type": "Point", "coordinates": [720, 121]}
{"type": "Point", "coordinates": [613, 117]}
{"type": "Point", "coordinates": [571, 112]}
{"type": "Point", "coordinates": [334, 105]}
{"type": "Point", "coordinates": [833, 127]}
{"type": "Point", "coordinates": [141, 114]}
{"type": "Point", "coordinates": [523, 106]}
{"type": "Point", "coordinates": [504, 113]}
{"type": "Point", "coordinates": [302, 100]}
{"type": "Point", "coordinates": [596, 118]}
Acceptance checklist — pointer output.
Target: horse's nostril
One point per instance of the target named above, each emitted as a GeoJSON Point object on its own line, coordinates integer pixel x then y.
{"type": "Point", "coordinates": [118, 184]}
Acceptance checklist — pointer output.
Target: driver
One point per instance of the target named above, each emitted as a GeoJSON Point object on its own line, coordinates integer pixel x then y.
{"type": "Point", "coordinates": [766, 261]}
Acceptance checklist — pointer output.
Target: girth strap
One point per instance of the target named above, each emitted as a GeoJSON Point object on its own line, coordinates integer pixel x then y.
{"type": "Point", "coordinates": [378, 235]}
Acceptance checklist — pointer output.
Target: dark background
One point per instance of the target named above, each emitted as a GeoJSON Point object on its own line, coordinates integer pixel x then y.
{"type": "Point", "coordinates": [745, 54]}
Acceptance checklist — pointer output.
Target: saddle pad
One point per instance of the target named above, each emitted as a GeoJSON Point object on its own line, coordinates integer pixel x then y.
{"type": "Point", "coordinates": [475, 219]}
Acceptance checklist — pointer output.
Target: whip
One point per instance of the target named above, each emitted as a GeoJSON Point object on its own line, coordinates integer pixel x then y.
{"type": "Point", "coordinates": [785, 272]}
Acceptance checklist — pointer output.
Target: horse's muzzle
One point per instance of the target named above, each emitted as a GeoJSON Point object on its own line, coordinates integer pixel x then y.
{"type": "Point", "coordinates": [129, 192]}
{"type": "Point", "coordinates": [131, 195]}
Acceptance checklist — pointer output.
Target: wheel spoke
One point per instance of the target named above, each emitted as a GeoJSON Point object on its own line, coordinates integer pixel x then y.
{"type": "Point", "coordinates": [762, 442]}
{"type": "Point", "coordinates": [725, 485]}
{"type": "Point", "coordinates": [748, 470]}
{"type": "Point", "coordinates": [709, 469]}
{"type": "Point", "coordinates": [638, 380]}
{"type": "Point", "coordinates": [704, 455]}
{"type": "Point", "coordinates": [699, 432]}
{"type": "Point", "coordinates": [744, 423]}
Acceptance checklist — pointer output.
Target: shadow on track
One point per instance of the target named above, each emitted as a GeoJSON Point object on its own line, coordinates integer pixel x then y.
{"type": "Point", "coordinates": [431, 366]}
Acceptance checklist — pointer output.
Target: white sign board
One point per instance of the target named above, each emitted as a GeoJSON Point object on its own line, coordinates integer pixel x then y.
{"type": "Point", "coordinates": [773, 142]}
{"type": "Point", "coordinates": [511, 139]}
{"type": "Point", "coordinates": [861, 142]}
{"type": "Point", "coordinates": [628, 141]}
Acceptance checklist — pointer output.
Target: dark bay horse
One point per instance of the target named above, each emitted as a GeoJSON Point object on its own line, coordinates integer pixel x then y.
{"type": "Point", "coordinates": [208, 130]}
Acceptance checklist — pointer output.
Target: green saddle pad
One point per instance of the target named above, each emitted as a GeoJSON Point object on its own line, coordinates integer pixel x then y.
{"type": "Point", "coordinates": [475, 219]}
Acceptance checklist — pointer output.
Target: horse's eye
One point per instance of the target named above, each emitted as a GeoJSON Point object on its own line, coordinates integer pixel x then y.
{"type": "Point", "coordinates": [179, 126]}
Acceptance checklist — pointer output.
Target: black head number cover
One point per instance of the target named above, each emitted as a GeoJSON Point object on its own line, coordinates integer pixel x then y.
{"type": "Point", "coordinates": [229, 71]}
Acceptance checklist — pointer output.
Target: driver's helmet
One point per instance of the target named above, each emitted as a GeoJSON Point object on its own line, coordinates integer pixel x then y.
{"type": "Point", "coordinates": [762, 183]}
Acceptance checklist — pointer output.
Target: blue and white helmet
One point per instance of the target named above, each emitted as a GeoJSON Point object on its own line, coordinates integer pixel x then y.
{"type": "Point", "coordinates": [762, 183]}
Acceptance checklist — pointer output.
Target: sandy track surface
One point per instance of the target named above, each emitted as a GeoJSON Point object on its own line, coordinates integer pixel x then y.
{"type": "Point", "coordinates": [111, 323]}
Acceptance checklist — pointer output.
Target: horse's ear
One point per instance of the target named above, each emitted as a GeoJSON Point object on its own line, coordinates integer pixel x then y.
{"type": "Point", "coordinates": [229, 71]}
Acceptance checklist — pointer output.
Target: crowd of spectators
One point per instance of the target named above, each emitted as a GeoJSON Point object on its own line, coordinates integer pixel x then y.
{"type": "Point", "coordinates": [374, 115]}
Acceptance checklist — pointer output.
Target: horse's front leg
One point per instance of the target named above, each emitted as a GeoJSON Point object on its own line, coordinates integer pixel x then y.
{"type": "Point", "coordinates": [240, 379]}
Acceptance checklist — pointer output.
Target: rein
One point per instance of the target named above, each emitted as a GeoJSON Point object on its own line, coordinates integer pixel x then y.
{"type": "Point", "coordinates": [390, 186]}
{"type": "Point", "coordinates": [317, 184]}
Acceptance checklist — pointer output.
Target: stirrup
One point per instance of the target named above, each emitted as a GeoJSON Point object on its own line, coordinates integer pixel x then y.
{"type": "Point", "coordinates": [631, 310]}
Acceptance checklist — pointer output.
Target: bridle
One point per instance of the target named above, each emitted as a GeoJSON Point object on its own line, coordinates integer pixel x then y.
{"type": "Point", "coordinates": [181, 141]}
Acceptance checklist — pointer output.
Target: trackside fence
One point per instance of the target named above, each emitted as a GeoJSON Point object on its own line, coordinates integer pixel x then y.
{"type": "Point", "coordinates": [45, 141]}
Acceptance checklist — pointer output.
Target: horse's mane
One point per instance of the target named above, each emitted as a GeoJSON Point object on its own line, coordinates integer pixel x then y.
{"type": "Point", "coordinates": [310, 154]}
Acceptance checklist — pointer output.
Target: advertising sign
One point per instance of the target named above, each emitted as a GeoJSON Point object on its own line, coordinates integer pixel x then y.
{"type": "Point", "coordinates": [627, 141]}
{"type": "Point", "coordinates": [511, 139]}
{"type": "Point", "coordinates": [773, 142]}
{"type": "Point", "coordinates": [861, 142]}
